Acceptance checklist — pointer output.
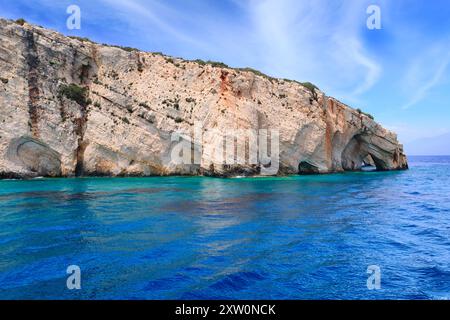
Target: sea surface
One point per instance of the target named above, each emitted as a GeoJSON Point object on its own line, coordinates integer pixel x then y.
{"type": "Point", "coordinates": [300, 237]}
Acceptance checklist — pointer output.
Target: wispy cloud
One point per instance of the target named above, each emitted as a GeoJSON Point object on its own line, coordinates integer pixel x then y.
{"type": "Point", "coordinates": [316, 40]}
{"type": "Point", "coordinates": [372, 68]}
{"type": "Point", "coordinates": [155, 14]}
{"type": "Point", "coordinates": [419, 74]}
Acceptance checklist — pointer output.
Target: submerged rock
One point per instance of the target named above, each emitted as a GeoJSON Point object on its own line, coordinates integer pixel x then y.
{"type": "Point", "coordinates": [73, 107]}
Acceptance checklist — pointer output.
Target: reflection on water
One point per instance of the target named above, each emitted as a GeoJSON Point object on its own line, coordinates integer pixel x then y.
{"type": "Point", "coordinates": [203, 238]}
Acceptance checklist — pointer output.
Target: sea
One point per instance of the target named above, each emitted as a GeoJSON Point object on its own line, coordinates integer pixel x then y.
{"type": "Point", "coordinates": [360, 235]}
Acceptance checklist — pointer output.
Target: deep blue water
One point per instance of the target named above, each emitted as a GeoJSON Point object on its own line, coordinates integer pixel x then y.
{"type": "Point", "coordinates": [309, 237]}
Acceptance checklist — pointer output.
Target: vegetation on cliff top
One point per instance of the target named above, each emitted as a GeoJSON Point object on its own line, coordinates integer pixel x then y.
{"type": "Point", "coordinates": [311, 87]}
{"type": "Point", "coordinates": [85, 39]}
{"type": "Point", "coordinates": [79, 94]}
{"type": "Point", "coordinates": [20, 21]}
{"type": "Point", "coordinates": [308, 85]}
{"type": "Point", "coordinates": [211, 63]}
{"type": "Point", "coordinates": [365, 113]}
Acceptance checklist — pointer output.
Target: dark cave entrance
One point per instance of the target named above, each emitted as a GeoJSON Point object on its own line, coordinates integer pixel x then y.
{"type": "Point", "coordinates": [305, 168]}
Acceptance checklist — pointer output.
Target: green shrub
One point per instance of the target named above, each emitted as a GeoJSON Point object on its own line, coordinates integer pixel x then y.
{"type": "Point", "coordinates": [308, 85]}
{"type": "Point", "coordinates": [75, 93]}
{"type": "Point", "coordinates": [365, 113]}
{"type": "Point", "coordinates": [200, 62]}
{"type": "Point", "coordinates": [82, 39]}
{"type": "Point", "coordinates": [129, 49]}
{"type": "Point", "coordinates": [217, 64]}
{"type": "Point", "coordinates": [211, 63]}
{"type": "Point", "coordinates": [178, 120]}
{"type": "Point", "coordinates": [256, 72]}
{"type": "Point", "coordinates": [20, 21]}
{"type": "Point", "coordinates": [311, 87]}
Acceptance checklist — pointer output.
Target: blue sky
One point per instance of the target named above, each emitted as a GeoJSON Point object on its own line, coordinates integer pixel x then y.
{"type": "Point", "coordinates": [400, 74]}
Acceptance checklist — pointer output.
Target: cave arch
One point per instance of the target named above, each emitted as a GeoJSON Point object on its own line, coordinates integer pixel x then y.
{"type": "Point", "coordinates": [358, 152]}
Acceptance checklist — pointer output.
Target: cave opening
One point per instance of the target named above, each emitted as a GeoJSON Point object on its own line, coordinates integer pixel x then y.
{"type": "Point", "coordinates": [368, 164]}
{"type": "Point", "coordinates": [305, 168]}
{"type": "Point", "coordinates": [359, 156]}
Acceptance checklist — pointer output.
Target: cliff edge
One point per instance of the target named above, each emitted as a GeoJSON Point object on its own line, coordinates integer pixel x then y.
{"type": "Point", "coordinates": [71, 107]}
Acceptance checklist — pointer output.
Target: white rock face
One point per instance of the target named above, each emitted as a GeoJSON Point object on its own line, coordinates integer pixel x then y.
{"type": "Point", "coordinates": [139, 99]}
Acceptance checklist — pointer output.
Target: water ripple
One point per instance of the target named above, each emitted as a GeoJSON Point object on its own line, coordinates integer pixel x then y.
{"type": "Point", "coordinates": [202, 238]}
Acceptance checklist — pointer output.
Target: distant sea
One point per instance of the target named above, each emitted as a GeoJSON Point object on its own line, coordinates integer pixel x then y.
{"type": "Point", "coordinates": [299, 237]}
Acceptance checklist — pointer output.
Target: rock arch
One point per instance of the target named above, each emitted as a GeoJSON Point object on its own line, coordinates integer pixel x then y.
{"type": "Point", "coordinates": [361, 147]}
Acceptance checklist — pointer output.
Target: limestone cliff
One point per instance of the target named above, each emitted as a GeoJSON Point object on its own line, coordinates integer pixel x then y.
{"type": "Point", "coordinates": [128, 104]}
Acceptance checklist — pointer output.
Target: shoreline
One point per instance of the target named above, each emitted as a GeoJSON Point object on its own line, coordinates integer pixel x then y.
{"type": "Point", "coordinates": [28, 178]}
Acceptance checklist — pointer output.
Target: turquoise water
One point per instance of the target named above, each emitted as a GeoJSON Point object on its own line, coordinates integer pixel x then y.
{"type": "Point", "coordinates": [309, 237]}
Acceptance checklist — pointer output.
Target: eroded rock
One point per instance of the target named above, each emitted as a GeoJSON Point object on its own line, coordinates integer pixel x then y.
{"type": "Point", "coordinates": [34, 156]}
{"type": "Point", "coordinates": [136, 100]}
